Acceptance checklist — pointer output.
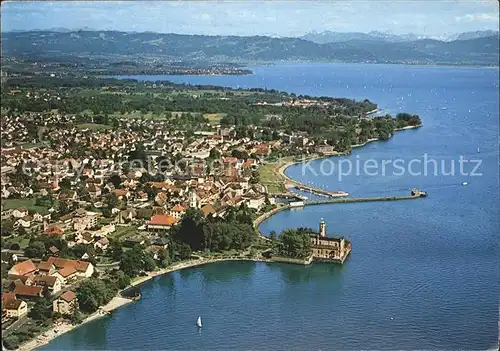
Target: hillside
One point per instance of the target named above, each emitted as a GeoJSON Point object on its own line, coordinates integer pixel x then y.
{"type": "Point", "coordinates": [38, 44]}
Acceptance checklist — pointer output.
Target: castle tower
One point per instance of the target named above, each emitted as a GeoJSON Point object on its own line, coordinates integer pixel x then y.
{"type": "Point", "coordinates": [322, 228]}
{"type": "Point", "coordinates": [193, 200]}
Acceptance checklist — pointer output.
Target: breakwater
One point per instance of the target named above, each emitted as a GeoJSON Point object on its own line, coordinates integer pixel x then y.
{"type": "Point", "coordinates": [416, 194]}
{"type": "Point", "coordinates": [362, 199]}
{"type": "Point", "coordinates": [318, 191]}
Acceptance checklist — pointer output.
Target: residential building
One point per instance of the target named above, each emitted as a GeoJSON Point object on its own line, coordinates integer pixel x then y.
{"type": "Point", "coordinates": [23, 268]}
{"type": "Point", "coordinates": [51, 284]}
{"type": "Point", "coordinates": [177, 211]}
{"type": "Point", "coordinates": [15, 308]}
{"type": "Point", "coordinates": [66, 303]}
{"type": "Point", "coordinates": [83, 269]}
{"type": "Point", "coordinates": [161, 222]}
{"type": "Point", "coordinates": [27, 292]}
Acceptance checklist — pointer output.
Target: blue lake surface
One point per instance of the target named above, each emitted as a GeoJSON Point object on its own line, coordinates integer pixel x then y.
{"type": "Point", "coordinates": [423, 274]}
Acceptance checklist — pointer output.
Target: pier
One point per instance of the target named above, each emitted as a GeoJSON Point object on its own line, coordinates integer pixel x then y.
{"type": "Point", "coordinates": [363, 199]}
{"type": "Point", "coordinates": [314, 190]}
{"type": "Point", "coordinates": [415, 194]}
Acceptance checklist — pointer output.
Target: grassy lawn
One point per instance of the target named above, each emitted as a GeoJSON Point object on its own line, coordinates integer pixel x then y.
{"type": "Point", "coordinates": [21, 240]}
{"type": "Point", "coordinates": [123, 232]}
{"type": "Point", "coordinates": [8, 204]}
{"type": "Point", "coordinates": [270, 177]}
{"type": "Point", "coordinates": [93, 126]}
{"type": "Point", "coordinates": [16, 203]}
{"type": "Point", "coordinates": [138, 115]}
{"type": "Point", "coordinates": [214, 118]}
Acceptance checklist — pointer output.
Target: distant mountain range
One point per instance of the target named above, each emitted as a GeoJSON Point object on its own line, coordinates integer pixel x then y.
{"type": "Point", "coordinates": [337, 37]}
{"type": "Point", "coordinates": [351, 47]}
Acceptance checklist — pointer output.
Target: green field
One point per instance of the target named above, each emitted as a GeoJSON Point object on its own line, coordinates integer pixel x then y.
{"type": "Point", "coordinates": [22, 241]}
{"type": "Point", "coordinates": [122, 233]}
{"type": "Point", "coordinates": [8, 204]}
{"type": "Point", "coordinates": [270, 177]}
{"type": "Point", "coordinates": [214, 118]}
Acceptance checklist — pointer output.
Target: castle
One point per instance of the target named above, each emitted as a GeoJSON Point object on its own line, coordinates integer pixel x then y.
{"type": "Point", "coordinates": [329, 249]}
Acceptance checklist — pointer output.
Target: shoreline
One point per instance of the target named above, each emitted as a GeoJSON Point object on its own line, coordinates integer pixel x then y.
{"type": "Point", "coordinates": [119, 301]}
{"type": "Point", "coordinates": [313, 157]}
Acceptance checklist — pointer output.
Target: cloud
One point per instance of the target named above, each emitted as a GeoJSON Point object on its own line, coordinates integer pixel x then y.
{"type": "Point", "coordinates": [481, 17]}
{"type": "Point", "coordinates": [286, 18]}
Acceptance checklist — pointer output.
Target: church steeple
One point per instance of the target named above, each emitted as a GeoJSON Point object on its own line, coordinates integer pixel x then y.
{"type": "Point", "coordinates": [322, 228]}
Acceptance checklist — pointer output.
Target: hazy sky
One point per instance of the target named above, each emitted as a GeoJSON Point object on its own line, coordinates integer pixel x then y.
{"type": "Point", "coordinates": [283, 18]}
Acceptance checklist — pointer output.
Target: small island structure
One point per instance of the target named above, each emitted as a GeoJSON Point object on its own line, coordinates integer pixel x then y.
{"type": "Point", "coordinates": [304, 246]}
{"type": "Point", "coordinates": [329, 249]}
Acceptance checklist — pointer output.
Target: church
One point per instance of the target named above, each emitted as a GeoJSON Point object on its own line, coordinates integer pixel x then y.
{"type": "Point", "coordinates": [329, 249]}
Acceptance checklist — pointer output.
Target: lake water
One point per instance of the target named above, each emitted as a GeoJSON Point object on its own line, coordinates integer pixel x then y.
{"type": "Point", "coordinates": [423, 274]}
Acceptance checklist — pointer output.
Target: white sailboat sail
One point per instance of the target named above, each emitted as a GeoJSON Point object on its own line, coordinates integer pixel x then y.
{"type": "Point", "coordinates": [198, 322]}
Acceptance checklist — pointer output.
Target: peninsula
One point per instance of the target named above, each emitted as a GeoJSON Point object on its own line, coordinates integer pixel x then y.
{"type": "Point", "coordinates": [108, 182]}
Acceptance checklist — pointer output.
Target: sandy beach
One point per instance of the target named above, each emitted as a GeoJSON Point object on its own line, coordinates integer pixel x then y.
{"type": "Point", "coordinates": [62, 328]}
{"type": "Point", "coordinates": [119, 301]}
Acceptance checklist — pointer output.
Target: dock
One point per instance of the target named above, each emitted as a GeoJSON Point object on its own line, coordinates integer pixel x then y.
{"type": "Point", "coordinates": [362, 199]}
{"type": "Point", "coordinates": [415, 194]}
{"type": "Point", "coordinates": [295, 185]}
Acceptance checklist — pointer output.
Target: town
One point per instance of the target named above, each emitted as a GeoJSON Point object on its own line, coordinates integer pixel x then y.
{"type": "Point", "coordinates": [100, 189]}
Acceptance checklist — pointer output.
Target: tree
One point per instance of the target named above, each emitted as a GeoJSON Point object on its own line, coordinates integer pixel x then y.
{"type": "Point", "coordinates": [295, 243]}
{"type": "Point", "coordinates": [115, 250]}
{"type": "Point", "coordinates": [112, 201]}
{"type": "Point", "coordinates": [94, 292]}
{"type": "Point", "coordinates": [7, 227]}
{"type": "Point", "coordinates": [164, 257]}
{"type": "Point", "coordinates": [76, 316]}
{"type": "Point", "coordinates": [190, 230]}
{"type": "Point", "coordinates": [149, 263]}
{"type": "Point", "coordinates": [35, 249]}
{"type": "Point", "coordinates": [64, 207]}
{"type": "Point", "coordinates": [184, 251]}
{"type": "Point", "coordinates": [65, 184]}
{"type": "Point", "coordinates": [40, 311]}
{"type": "Point", "coordinates": [116, 180]}
{"type": "Point", "coordinates": [123, 280]}
{"type": "Point", "coordinates": [132, 261]}
{"type": "Point", "coordinates": [214, 154]}
{"type": "Point", "coordinates": [243, 155]}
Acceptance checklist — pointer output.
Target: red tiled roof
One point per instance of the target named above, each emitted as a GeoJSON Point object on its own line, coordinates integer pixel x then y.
{"type": "Point", "coordinates": [162, 196]}
{"type": "Point", "coordinates": [54, 230]}
{"type": "Point", "coordinates": [24, 268]}
{"type": "Point", "coordinates": [162, 220]}
{"type": "Point", "coordinates": [208, 209]}
{"type": "Point", "coordinates": [230, 160]}
{"type": "Point", "coordinates": [22, 278]}
{"type": "Point", "coordinates": [68, 296]}
{"type": "Point", "coordinates": [25, 290]}
{"type": "Point", "coordinates": [45, 266]}
{"type": "Point", "coordinates": [67, 271]}
{"type": "Point", "coordinates": [120, 192]}
{"type": "Point", "coordinates": [178, 208]}
{"type": "Point", "coordinates": [8, 297]}
{"type": "Point", "coordinates": [63, 263]}
{"type": "Point", "coordinates": [12, 304]}
{"type": "Point", "coordinates": [44, 280]}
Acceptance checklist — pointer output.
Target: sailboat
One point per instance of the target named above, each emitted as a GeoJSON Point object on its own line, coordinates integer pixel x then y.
{"type": "Point", "coordinates": [198, 322]}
